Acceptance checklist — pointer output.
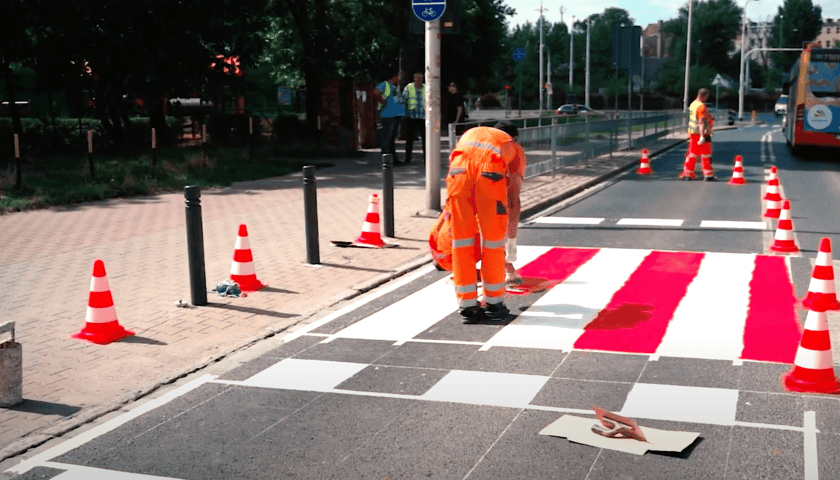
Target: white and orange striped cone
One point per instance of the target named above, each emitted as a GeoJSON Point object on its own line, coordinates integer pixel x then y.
{"type": "Point", "coordinates": [370, 228]}
{"type": "Point", "coordinates": [772, 184]}
{"type": "Point", "coordinates": [644, 164]}
{"type": "Point", "coordinates": [821, 291]}
{"type": "Point", "coordinates": [738, 172]}
{"type": "Point", "coordinates": [813, 367]}
{"type": "Point", "coordinates": [783, 241]}
{"type": "Point", "coordinates": [774, 205]}
{"type": "Point", "coordinates": [101, 324]}
{"type": "Point", "coordinates": [242, 270]}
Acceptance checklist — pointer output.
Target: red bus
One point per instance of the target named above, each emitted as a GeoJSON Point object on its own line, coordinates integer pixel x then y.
{"type": "Point", "coordinates": [813, 112]}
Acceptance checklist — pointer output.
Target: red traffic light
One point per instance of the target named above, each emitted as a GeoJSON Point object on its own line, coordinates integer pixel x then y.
{"type": "Point", "coordinates": [507, 87]}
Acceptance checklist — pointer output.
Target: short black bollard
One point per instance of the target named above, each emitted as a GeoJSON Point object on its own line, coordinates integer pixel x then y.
{"type": "Point", "coordinates": [90, 153]}
{"type": "Point", "coordinates": [18, 164]}
{"type": "Point", "coordinates": [154, 152]}
{"type": "Point", "coordinates": [195, 245]}
{"type": "Point", "coordinates": [388, 195]}
{"type": "Point", "coordinates": [250, 137]}
{"type": "Point", "coordinates": [310, 210]}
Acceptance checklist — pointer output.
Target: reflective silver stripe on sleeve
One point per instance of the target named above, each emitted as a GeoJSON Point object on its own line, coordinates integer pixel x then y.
{"type": "Point", "coordinates": [463, 242]}
{"type": "Point", "coordinates": [496, 244]}
{"type": "Point", "coordinates": [456, 171]}
{"type": "Point", "coordinates": [494, 287]}
{"type": "Point", "coordinates": [485, 146]}
{"type": "Point", "coordinates": [466, 288]}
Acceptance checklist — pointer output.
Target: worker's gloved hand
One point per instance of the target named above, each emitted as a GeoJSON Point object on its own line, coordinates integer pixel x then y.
{"type": "Point", "coordinates": [510, 250]}
{"type": "Point", "coordinates": [701, 141]}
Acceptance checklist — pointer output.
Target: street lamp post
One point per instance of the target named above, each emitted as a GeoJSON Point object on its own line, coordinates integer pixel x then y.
{"type": "Point", "coordinates": [688, 56]}
{"type": "Point", "coordinates": [571, 53]}
{"type": "Point", "coordinates": [540, 82]}
{"type": "Point", "coordinates": [586, 87]}
{"type": "Point", "coordinates": [741, 72]}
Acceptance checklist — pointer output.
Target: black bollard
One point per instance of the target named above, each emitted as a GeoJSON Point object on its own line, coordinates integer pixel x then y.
{"type": "Point", "coordinates": [195, 245]}
{"type": "Point", "coordinates": [388, 195]}
{"type": "Point", "coordinates": [310, 210]}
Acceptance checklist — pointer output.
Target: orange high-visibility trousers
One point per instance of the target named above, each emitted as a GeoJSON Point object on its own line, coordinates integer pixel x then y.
{"type": "Point", "coordinates": [477, 192]}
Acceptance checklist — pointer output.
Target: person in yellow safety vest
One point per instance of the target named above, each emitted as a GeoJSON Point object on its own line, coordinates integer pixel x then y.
{"type": "Point", "coordinates": [477, 195]}
{"type": "Point", "coordinates": [415, 115]}
{"type": "Point", "coordinates": [389, 101]}
{"type": "Point", "coordinates": [699, 138]}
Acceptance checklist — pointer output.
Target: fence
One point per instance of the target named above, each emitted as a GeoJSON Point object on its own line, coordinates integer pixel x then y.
{"type": "Point", "coordinates": [554, 142]}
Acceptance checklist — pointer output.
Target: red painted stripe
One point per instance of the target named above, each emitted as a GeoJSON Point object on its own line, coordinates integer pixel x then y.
{"type": "Point", "coordinates": [100, 299]}
{"type": "Point", "coordinates": [772, 330]}
{"type": "Point", "coordinates": [638, 314]}
{"type": "Point", "coordinates": [823, 272]}
{"type": "Point", "coordinates": [557, 264]}
{"type": "Point", "coordinates": [784, 225]}
{"type": "Point", "coordinates": [816, 340]}
{"type": "Point", "coordinates": [372, 217]}
{"type": "Point", "coordinates": [243, 256]}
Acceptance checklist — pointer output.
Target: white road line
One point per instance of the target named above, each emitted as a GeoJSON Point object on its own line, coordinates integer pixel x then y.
{"type": "Point", "coordinates": [569, 220]}
{"type": "Point", "coordinates": [652, 222]}
{"type": "Point", "coordinates": [715, 406]}
{"type": "Point", "coordinates": [709, 321]}
{"type": "Point", "coordinates": [556, 320]}
{"type": "Point", "coordinates": [733, 224]}
{"type": "Point", "coordinates": [78, 472]}
{"type": "Point", "coordinates": [106, 427]}
{"type": "Point", "coordinates": [355, 305]}
{"type": "Point", "coordinates": [812, 470]}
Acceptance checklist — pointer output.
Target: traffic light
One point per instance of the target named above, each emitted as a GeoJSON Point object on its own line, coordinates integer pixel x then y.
{"type": "Point", "coordinates": [507, 87]}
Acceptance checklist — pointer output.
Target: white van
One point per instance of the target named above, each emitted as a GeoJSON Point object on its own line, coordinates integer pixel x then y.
{"type": "Point", "coordinates": [781, 105]}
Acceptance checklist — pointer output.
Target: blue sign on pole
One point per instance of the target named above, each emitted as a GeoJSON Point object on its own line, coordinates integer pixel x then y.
{"type": "Point", "coordinates": [519, 54]}
{"type": "Point", "coordinates": [428, 10]}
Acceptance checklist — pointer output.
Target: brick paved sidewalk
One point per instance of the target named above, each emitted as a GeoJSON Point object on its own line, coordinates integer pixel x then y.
{"type": "Point", "coordinates": [47, 257]}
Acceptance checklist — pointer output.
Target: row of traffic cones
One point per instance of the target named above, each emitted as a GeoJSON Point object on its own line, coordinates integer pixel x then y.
{"type": "Point", "coordinates": [101, 324]}
{"type": "Point", "coordinates": [737, 171]}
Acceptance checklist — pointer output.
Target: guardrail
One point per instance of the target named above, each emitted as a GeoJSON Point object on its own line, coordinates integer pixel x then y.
{"type": "Point", "coordinates": [556, 141]}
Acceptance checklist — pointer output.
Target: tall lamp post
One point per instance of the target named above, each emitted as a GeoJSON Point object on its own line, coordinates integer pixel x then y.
{"type": "Point", "coordinates": [540, 82]}
{"type": "Point", "coordinates": [688, 55]}
{"type": "Point", "coordinates": [741, 73]}
{"type": "Point", "coordinates": [586, 87]}
{"type": "Point", "coordinates": [571, 53]}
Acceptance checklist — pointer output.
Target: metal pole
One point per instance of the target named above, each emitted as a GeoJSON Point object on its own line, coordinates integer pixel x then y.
{"type": "Point", "coordinates": [90, 153]}
{"type": "Point", "coordinates": [18, 164]}
{"type": "Point", "coordinates": [388, 195]}
{"type": "Point", "coordinates": [571, 54]}
{"type": "Point", "coordinates": [432, 102]}
{"type": "Point", "coordinates": [586, 94]}
{"type": "Point", "coordinates": [195, 245]}
{"type": "Point", "coordinates": [154, 151]}
{"type": "Point", "coordinates": [553, 144]}
{"type": "Point", "coordinates": [741, 70]}
{"type": "Point", "coordinates": [250, 137]}
{"type": "Point", "coordinates": [540, 81]}
{"type": "Point", "coordinates": [310, 213]}
{"type": "Point", "coordinates": [688, 56]}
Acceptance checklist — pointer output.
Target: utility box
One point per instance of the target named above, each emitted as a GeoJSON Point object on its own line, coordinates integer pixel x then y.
{"type": "Point", "coordinates": [11, 367]}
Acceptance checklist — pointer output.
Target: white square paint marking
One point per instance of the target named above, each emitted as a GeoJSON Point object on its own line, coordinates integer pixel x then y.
{"type": "Point", "coordinates": [714, 406]}
{"type": "Point", "coordinates": [308, 375]}
{"type": "Point", "coordinates": [651, 222]}
{"type": "Point", "coordinates": [487, 388]}
{"type": "Point", "coordinates": [78, 472]}
{"type": "Point", "coordinates": [569, 220]}
{"type": "Point", "coordinates": [733, 224]}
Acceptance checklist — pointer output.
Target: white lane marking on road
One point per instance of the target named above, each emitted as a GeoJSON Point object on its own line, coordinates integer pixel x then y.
{"type": "Point", "coordinates": [487, 388]}
{"type": "Point", "coordinates": [78, 472]}
{"type": "Point", "coordinates": [111, 424]}
{"type": "Point", "coordinates": [716, 406]}
{"type": "Point", "coordinates": [652, 222]}
{"type": "Point", "coordinates": [556, 320]}
{"type": "Point", "coordinates": [569, 220]}
{"type": "Point", "coordinates": [733, 224]}
{"type": "Point", "coordinates": [812, 468]}
{"type": "Point", "coordinates": [308, 375]}
{"type": "Point", "coordinates": [709, 321]}
{"type": "Point", "coordinates": [355, 305]}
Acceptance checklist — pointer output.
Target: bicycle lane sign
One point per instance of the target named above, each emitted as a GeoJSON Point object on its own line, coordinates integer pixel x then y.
{"type": "Point", "coordinates": [428, 10]}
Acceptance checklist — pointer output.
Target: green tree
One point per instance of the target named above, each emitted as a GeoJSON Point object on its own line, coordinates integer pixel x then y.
{"type": "Point", "coordinates": [796, 22]}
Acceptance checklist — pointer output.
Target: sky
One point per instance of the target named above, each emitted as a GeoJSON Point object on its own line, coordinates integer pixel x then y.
{"type": "Point", "coordinates": [643, 12]}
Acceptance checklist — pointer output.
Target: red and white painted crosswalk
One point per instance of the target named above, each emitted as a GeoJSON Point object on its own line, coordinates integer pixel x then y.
{"type": "Point", "coordinates": [717, 306]}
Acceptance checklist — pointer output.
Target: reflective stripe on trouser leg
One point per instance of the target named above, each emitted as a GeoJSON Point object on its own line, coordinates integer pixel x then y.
{"type": "Point", "coordinates": [491, 201]}
{"type": "Point", "coordinates": [706, 164]}
{"type": "Point", "coordinates": [464, 228]}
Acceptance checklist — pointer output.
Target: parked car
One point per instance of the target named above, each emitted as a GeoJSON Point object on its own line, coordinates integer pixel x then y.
{"type": "Point", "coordinates": [781, 105]}
{"type": "Point", "coordinates": [579, 109]}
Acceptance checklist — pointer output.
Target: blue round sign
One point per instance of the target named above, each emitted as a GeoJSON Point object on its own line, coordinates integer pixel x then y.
{"type": "Point", "coordinates": [428, 10]}
{"type": "Point", "coordinates": [519, 54]}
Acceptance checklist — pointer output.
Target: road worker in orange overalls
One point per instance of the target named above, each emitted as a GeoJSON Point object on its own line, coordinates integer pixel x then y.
{"type": "Point", "coordinates": [700, 122]}
{"type": "Point", "coordinates": [516, 175]}
{"type": "Point", "coordinates": [478, 193]}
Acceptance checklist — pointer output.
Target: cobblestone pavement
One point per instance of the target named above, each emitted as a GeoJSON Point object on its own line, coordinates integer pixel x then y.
{"type": "Point", "coordinates": [47, 257]}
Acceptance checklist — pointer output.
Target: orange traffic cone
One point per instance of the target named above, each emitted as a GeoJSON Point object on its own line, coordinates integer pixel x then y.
{"type": "Point", "coordinates": [772, 184]}
{"type": "Point", "coordinates": [738, 172]}
{"type": "Point", "coordinates": [644, 167]}
{"type": "Point", "coordinates": [101, 325]}
{"type": "Point", "coordinates": [821, 292]}
{"type": "Point", "coordinates": [370, 228]}
{"type": "Point", "coordinates": [784, 242]}
{"type": "Point", "coordinates": [242, 270]}
{"type": "Point", "coordinates": [813, 367]}
{"type": "Point", "coordinates": [774, 201]}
